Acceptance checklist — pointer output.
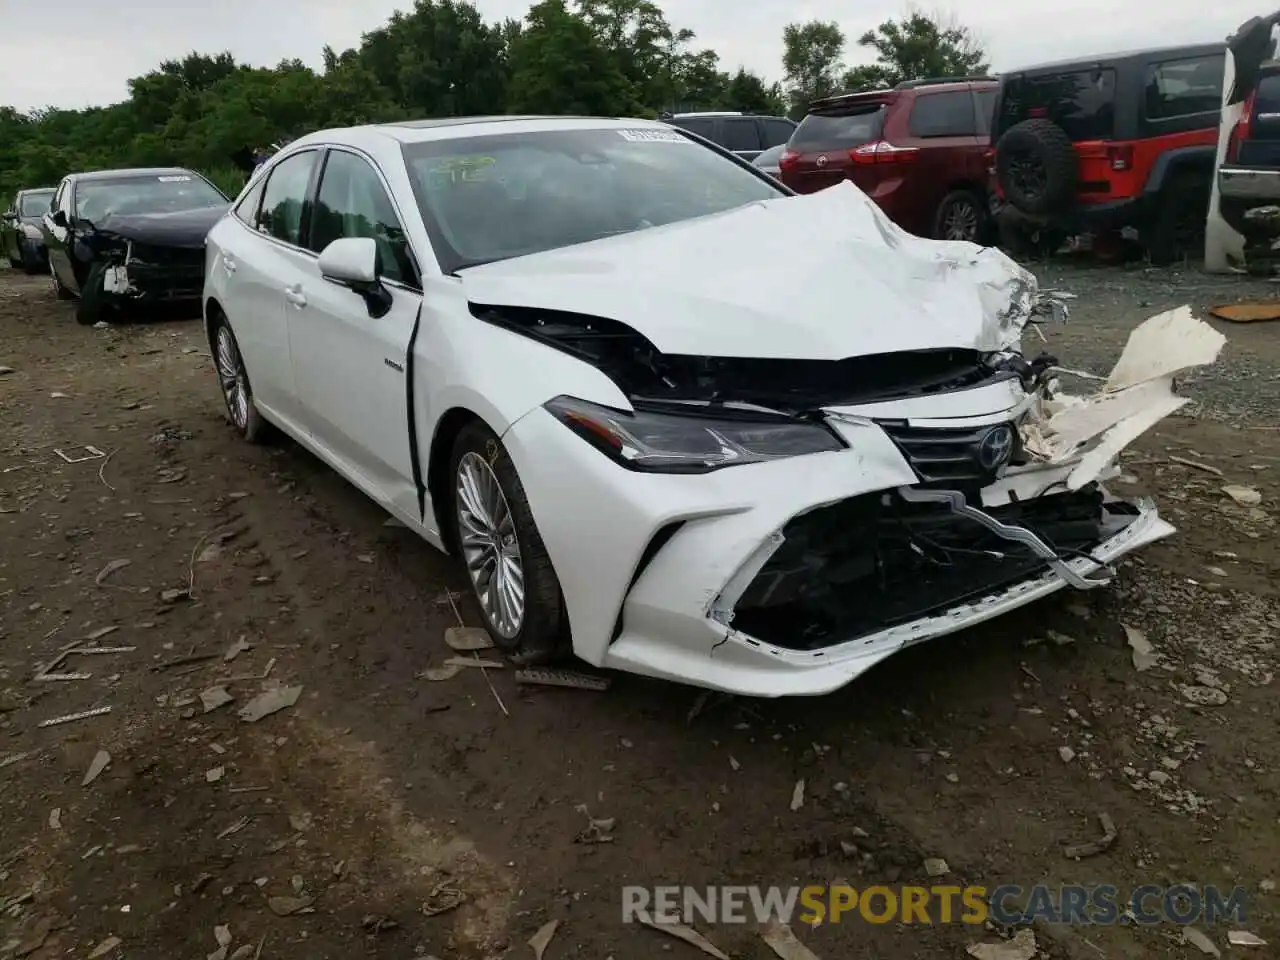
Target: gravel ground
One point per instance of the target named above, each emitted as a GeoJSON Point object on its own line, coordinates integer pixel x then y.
{"type": "Point", "coordinates": [387, 815]}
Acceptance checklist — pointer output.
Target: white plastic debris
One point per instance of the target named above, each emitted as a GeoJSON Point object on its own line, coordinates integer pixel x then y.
{"type": "Point", "coordinates": [783, 941]}
{"type": "Point", "coordinates": [1021, 947]}
{"type": "Point", "coordinates": [100, 761]}
{"type": "Point", "coordinates": [272, 701]}
{"type": "Point", "coordinates": [1243, 938]}
{"type": "Point", "coordinates": [797, 796]}
{"type": "Point", "coordinates": [1199, 940]}
{"type": "Point", "coordinates": [467, 639]}
{"type": "Point", "coordinates": [1144, 655]}
{"type": "Point", "coordinates": [215, 697]}
{"type": "Point", "coordinates": [1245, 496]}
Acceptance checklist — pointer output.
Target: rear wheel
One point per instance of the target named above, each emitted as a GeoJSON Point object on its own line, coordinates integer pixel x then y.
{"type": "Point", "coordinates": [1036, 165]}
{"type": "Point", "coordinates": [1176, 230]}
{"type": "Point", "coordinates": [962, 215]}
{"type": "Point", "coordinates": [237, 393]}
{"type": "Point", "coordinates": [14, 262]}
{"type": "Point", "coordinates": [510, 571]}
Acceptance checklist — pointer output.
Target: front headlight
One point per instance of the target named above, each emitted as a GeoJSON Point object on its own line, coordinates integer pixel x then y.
{"type": "Point", "coordinates": [675, 443]}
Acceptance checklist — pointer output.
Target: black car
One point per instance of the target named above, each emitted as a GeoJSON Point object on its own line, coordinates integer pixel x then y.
{"type": "Point", "coordinates": [119, 237]}
{"type": "Point", "coordinates": [20, 237]}
{"type": "Point", "coordinates": [746, 135]}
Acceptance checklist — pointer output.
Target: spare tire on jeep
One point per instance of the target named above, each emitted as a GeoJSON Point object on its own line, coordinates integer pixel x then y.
{"type": "Point", "coordinates": [1036, 166]}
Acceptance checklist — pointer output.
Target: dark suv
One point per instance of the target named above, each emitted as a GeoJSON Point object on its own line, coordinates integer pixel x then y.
{"type": "Point", "coordinates": [747, 135]}
{"type": "Point", "coordinates": [1097, 145]}
{"type": "Point", "coordinates": [918, 150]}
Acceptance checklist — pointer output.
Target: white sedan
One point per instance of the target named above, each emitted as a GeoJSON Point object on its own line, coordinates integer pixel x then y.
{"type": "Point", "coordinates": [673, 419]}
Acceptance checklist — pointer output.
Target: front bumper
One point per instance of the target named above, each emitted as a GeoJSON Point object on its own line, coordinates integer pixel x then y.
{"type": "Point", "coordinates": [653, 568]}
{"type": "Point", "coordinates": [154, 282]}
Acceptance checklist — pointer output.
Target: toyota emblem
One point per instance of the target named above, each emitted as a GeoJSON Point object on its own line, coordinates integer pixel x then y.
{"type": "Point", "coordinates": [822, 160]}
{"type": "Point", "coordinates": [995, 447]}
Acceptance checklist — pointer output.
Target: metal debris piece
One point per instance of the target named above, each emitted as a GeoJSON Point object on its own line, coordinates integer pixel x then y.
{"type": "Point", "coordinates": [53, 677]}
{"type": "Point", "coordinates": [780, 939]}
{"type": "Point", "coordinates": [1243, 938]}
{"type": "Point", "coordinates": [797, 796]}
{"type": "Point", "coordinates": [474, 662]}
{"type": "Point", "coordinates": [688, 935]}
{"type": "Point", "coordinates": [541, 676]}
{"type": "Point", "coordinates": [444, 896]}
{"type": "Point", "coordinates": [214, 774]}
{"type": "Point", "coordinates": [215, 697]}
{"type": "Point", "coordinates": [1199, 466]}
{"type": "Point", "coordinates": [1245, 496]}
{"type": "Point", "coordinates": [1204, 696]}
{"type": "Point", "coordinates": [90, 452]}
{"type": "Point", "coordinates": [90, 651]}
{"type": "Point", "coordinates": [437, 674]}
{"type": "Point", "coordinates": [1201, 941]}
{"type": "Point", "coordinates": [72, 717]}
{"type": "Point", "coordinates": [542, 939]}
{"type": "Point", "coordinates": [467, 639]}
{"type": "Point", "coordinates": [288, 906]}
{"type": "Point", "coordinates": [105, 947]}
{"type": "Point", "coordinates": [1021, 947]}
{"type": "Point", "coordinates": [1074, 851]}
{"type": "Point", "coordinates": [1144, 654]}
{"type": "Point", "coordinates": [55, 818]}
{"type": "Point", "coordinates": [234, 828]}
{"type": "Point", "coordinates": [936, 867]}
{"type": "Point", "coordinates": [237, 648]}
{"type": "Point", "coordinates": [272, 701]}
{"type": "Point", "coordinates": [100, 761]}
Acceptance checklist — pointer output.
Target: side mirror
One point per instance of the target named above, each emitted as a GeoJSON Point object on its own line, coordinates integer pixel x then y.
{"type": "Point", "coordinates": [10, 215]}
{"type": "Point", "coordinates": [59, 218]}
{"type": "Point", "coordinates": [353, 262]}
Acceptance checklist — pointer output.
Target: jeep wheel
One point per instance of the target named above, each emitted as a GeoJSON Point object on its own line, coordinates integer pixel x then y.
{"type": "Point", "coordinates": [962, 215]}
{"type": "Point", "coordinates": [1036, 166]}
{"type": "Point", "coordinates": [1176, 230]}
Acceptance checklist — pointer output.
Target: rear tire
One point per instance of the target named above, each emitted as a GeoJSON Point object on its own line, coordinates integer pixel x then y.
{"type": "Point", "coordinates": [1176, 230]}
{"type": "Point", "coordinates": [499, 543]}
{"type": "Point", "coordinates": [961, 215]}
{"type": "Point", "coordinates": [233, 378]}
{"type": "Point", "coordinates": [14, 262]}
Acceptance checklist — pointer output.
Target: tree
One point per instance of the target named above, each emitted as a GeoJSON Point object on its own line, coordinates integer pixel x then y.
{"type": "Point", "coordinates": [811, 61]}
{"type": "Point", "coordinates": [749, 93]}
{"type": "Point", "coordinates": [918, 46]}
{"type": "Point", "coordinates": [559, 66]}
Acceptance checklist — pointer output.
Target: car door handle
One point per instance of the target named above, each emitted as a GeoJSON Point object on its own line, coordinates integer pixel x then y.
{"type": "Point", "coordinates": [295, 296]}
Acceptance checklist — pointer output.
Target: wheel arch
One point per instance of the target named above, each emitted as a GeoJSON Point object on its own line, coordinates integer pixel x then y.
{"type": "Point", "coordinates": [451, 423]}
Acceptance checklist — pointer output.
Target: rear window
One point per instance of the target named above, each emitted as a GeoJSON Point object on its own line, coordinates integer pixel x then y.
{"type": "Point", "coordinates": [1082, 102]}
{"type": "Point", "coordinates": [1180, 88]}
{"type": "Point", "coordinates": [843, 128]}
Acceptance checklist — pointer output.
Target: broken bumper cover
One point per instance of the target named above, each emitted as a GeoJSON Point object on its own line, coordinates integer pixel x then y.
{"type": "Point", "coordinates": [659, 572]}
{"type": "Point", "coordinates": [171, 275]}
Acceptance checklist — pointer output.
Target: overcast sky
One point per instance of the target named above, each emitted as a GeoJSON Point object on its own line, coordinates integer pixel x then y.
{"type": "Point", "coordinates": [82, 52]}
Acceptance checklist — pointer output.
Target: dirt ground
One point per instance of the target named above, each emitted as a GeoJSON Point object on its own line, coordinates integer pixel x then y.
{"type": "Point", "coordinates": [380, 799]}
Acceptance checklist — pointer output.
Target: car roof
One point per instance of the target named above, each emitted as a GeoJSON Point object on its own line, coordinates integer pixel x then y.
{"type": "Point", "coordinates": [31, 190]}
{"type": "Point", "coordinates": [126, 173]}
{"type": "Point", "coordinates": [450, 128]}
{"type": "Point", "coordinates": [1150, 53]}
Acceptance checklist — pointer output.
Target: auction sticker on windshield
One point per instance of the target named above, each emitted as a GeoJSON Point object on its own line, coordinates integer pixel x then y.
{"type": "Point", "coordinates": [653, 136]}
{"type": "Point", "coordinates": [182, 179]}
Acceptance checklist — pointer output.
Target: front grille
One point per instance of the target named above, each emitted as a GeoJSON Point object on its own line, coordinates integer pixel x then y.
{"type": "Point", "coordinates": [158, 256]}
{"type": "Point", "coordinates": [947, 456]}
{"type": "Point", "coordinates": [875, 561]}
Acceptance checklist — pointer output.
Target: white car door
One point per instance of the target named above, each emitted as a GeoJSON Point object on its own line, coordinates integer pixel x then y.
{"type": "Point", "coordinates": [257, 250]}
{"type": "Point", "coordinates": [350, 358]}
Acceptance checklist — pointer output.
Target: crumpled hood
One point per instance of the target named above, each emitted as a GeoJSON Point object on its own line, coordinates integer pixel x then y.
{"type": "Point", "coordinates": [823, 276]}
{"type": "Point", "coordinates": [184, 228]}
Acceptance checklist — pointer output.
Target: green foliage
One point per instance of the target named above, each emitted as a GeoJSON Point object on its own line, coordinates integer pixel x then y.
{"type": "Point", "coordinates": [441, 58]}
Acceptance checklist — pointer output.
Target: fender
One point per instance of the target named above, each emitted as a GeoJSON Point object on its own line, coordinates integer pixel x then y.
{"type": "Point", "coordinates": [1172, 162]}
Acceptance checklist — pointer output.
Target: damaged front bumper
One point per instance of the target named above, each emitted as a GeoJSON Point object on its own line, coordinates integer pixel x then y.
{"type": "Point", "coordinates": [154, 274]}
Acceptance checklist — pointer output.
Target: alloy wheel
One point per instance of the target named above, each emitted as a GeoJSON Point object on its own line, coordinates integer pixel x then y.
{"type": "Point", "coordinates": [235, 387]}
{"type": "Point", "coordinates": [960, 221]}
{"type": "Point", "coordinates": [490, 547]}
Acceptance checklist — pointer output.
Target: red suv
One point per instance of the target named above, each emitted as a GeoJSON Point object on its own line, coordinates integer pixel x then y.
{"type": "Point", "coordinates": [917, 150]}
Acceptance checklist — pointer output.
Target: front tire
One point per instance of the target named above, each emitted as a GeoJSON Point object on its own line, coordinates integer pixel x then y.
{"type": "Point", "coordinates": [237, 393]}
{"type": "Point", "coordinates": [496, 537]}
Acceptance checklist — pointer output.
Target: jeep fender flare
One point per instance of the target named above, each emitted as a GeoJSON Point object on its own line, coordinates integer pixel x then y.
{"type": "Point", "coordinates": [1173, 163]}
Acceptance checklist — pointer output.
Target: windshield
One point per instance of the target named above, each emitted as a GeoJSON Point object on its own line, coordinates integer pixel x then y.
{"type": "Point", "coordinates": [497, 197]}
{"type": "Point", "coordinates": [35, 204]}
{"type": "Point", "coordinates": [1081, 102]}
{"type": "Point", "coordinates": [162, 193]}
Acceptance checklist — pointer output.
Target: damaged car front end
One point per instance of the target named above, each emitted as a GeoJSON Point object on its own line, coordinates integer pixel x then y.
{"type": "Point", "coordinates": [799, 479]}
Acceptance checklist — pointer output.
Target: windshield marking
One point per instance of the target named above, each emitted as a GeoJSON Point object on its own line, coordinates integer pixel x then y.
{"type": "Point", "coordinates": [654, 136]}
